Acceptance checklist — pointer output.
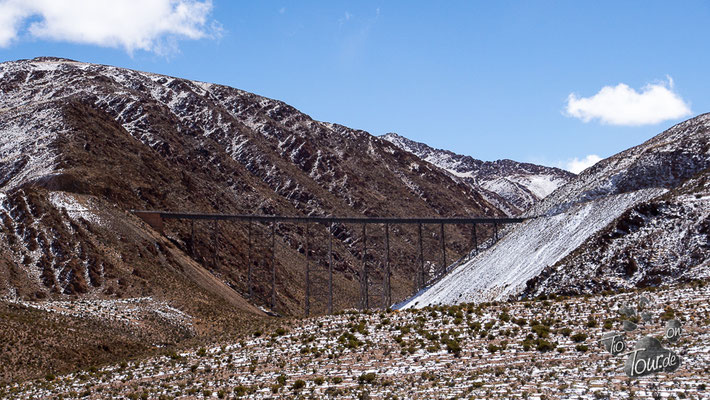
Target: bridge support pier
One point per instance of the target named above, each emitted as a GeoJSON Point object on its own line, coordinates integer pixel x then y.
{"type": "Point", "coordinates": [363, 273]}
{"type": "Point", "coordinates": [443, 250]}
{"type": "Point", "coordinates": [421, 274]}
{"type": "Point", "coordinates": [308, 276]}
{"type": "Point", "coordinates": [192, 239]}
{"type": "Point", "coordinates": [475, 238]}
{"type": "Point", "coordinates": [386, 292]}
{"type": "Point", "coordinates": [249, 262]}
{"type": "Point", "coordinates": [330, 267]}
{"type": "Point", "coordinates": [273, 265]}
{"type": "Point", "coordinates": [154, 219]}
{"type": "Point", "coordinates": [215, 250]}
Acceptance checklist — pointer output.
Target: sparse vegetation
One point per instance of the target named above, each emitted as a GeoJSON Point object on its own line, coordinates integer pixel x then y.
{"type": "Point", "coordinates": [345, 355]}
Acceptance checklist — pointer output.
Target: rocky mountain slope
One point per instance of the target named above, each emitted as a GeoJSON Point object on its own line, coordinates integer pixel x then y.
{"type": "Point", "coordinates": [664, 240]}
{"type": "Point", "coordinates": [512, 186]}
{"type": "Point", "coordinates": [98, 140]}
{"type": "Point", "coordinates": [634, 219]}
{"type": "Point", "coordinates": [81, 144]}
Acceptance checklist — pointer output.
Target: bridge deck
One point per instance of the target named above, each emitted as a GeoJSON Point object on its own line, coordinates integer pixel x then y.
{"type": "Point", "coordinates": [329, 219]}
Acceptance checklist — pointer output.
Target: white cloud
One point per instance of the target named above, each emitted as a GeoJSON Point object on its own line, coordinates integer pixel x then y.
{"type": "Point", "coordinates": [345, 18]}
{"type": "Point", "coordinates": [150, 25]}
{"type": "Point", "coordinates": [622, 105]}
{"type": "Point", "coordinates": [576, 165]}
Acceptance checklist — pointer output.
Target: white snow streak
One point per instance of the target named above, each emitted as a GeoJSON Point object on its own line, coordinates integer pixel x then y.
{"type": "Point", "coordinates": [503, 270]}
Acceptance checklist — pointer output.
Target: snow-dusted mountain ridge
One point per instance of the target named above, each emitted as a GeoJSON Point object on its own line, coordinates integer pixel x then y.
{"type": "Point", "coordinates": [510, 185]}
{"type": "Point", "coordinates": [638, 218]}
{"type": "Point", "coordinates": [82, 143]}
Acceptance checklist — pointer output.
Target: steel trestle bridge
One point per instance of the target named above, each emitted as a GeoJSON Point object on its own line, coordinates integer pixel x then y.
{"type": "Point", "coordinates": [156, 219]}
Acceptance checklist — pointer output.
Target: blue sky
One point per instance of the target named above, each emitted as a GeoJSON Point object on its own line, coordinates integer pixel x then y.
{"type": "Point", "coordinates": [520, 80]}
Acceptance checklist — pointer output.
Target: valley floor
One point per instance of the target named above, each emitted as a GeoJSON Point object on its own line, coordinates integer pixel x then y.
{"type": "Point", "coordinates": [541, 349]}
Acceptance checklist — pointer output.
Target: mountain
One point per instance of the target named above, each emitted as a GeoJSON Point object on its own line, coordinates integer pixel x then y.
{"type": "Point", "coordinates": [512, 186]}
{"type": "Point", "coordinates": [637, 218]}
{"type": "Point", "coordinates": [96, 139]}
{"type": "Point", "coordinates": [82, 144]}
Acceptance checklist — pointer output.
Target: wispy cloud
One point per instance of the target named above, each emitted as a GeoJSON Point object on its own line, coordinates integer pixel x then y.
{"type": "Point", "coordinates": [576, 165]}
{"type": "Point", "coordinates": [623, 105]}
{"type": "Point", "coordinates": [149, 25]}
{"type": "Point", "coordinates": [354, 37]}
{"type": "Point", "coordinates": [345, 18]}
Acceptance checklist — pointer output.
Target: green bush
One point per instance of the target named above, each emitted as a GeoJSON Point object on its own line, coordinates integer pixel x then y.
{"type": "Point", "coordinates": [349, 340]}
{"type": "Point", "coordinates": [579, 337]}
{"type": "Point", "coordinates": [668, 314]}
{"type": "Point", "coordinates": [544, 345]}
{"type": "Point", "coordinates": [542, 331]}
{"type": "Point", "coordinates": [367, 378]}
{"type": "Point", "coordinates": [453, 346]}
{"type": "Point", "coordinates": [240, 391]}
{"type": "Point", "coordinates": [505, 317]}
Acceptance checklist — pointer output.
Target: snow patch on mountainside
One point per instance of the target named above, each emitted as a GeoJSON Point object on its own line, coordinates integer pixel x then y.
{"type": "Point", "coordinates": [541, 185]}
{"type": "Point", "coordinates": [503, 270]}
{"type": "Point", "coordinates": [75, 207]}
{"type": "Point", "coordinates": [25, 144]}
